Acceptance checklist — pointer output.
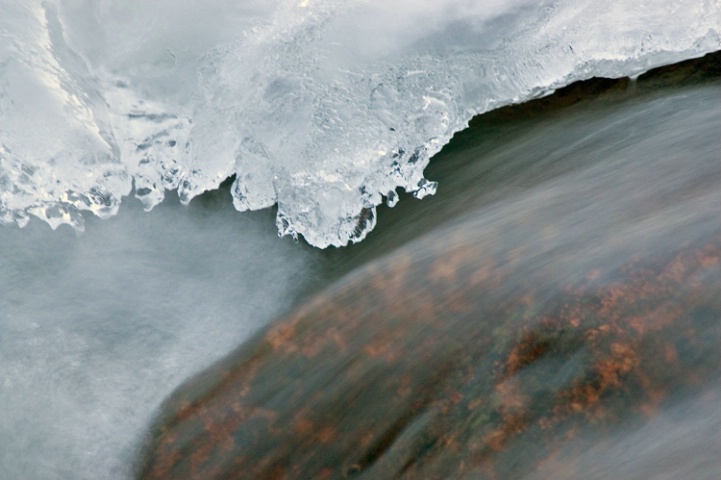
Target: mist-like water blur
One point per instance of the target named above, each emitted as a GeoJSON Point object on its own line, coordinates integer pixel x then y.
{"type": "Point", "coordinates": [96, 329]}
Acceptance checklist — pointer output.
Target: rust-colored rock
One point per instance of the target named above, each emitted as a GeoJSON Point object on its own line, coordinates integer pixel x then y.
{"type": "Point", "coordinates": [436, 366]}
{"type": "Point", "coordinates": [507, 344]}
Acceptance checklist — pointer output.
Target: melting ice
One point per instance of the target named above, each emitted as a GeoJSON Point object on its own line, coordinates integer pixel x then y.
{"type": "Point", "coordinates": [323, 107]}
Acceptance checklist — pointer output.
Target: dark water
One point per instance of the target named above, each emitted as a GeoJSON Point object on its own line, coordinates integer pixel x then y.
{"type": "Point", "coordinates": [96, 329]}
{"type": "Point", "coordinates": [600, 124]}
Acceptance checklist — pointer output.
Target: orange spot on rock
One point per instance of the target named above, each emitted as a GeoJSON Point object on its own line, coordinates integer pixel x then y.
{"type": "Point", "coordinates": [496, 439]}
{"type": "Point", "coordinates": [546, 423]}
{"type": "Point", "coordinates": [708, 261]}
{"type": "Point", "coordinates": [280, 337]}
{"type": "Point", "coordinates": [511, 395]}
{"type": "Point", "coordinates": [442, 271]}
{"type": "Point", "coordinates": [326, 434]}
{"type": "Point", "coordinates": [326, 474]}
{"type": "Point", "coordinates": [302, 426]}
{"type": "Point", "coordinates": [512, 426]}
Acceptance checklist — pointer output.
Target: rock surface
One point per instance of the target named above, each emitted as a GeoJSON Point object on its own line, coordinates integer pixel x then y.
{"type": "Point", "coordinates": [455, 356]}
{"type": "Point", "coordinates": [579, 316]}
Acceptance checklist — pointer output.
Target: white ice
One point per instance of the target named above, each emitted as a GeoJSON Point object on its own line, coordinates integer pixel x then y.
{"type": "Point", "coordinates": [323, 107]}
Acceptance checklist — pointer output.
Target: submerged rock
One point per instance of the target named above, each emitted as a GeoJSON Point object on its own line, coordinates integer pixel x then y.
{"type": "Point", "coordinates": [478, 352]}
{"type": "Point", "coordinates": [569, 330]}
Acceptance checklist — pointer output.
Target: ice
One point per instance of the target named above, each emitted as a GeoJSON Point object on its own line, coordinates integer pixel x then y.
{"type": "Point", "coordinates": [323, 107]}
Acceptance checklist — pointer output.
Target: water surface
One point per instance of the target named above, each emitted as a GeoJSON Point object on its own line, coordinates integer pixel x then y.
{"type": "Point", "coordinates": [96, 329]}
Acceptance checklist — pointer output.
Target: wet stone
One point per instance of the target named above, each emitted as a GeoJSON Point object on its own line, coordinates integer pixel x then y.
{"type": "Point", "coordinates": [567, 331]}
{"type": "Point", "coordinates": [448, 379]}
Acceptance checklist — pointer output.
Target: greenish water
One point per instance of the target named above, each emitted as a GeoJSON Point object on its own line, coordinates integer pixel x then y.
{"type": "Point", "coordinates": [586, 130]}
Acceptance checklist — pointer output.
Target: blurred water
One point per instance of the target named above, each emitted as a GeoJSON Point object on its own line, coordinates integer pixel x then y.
{"type": "Point", "coordinates": [465, 352]}
{"type": "Point", "coordinates": [511, 150]}
{"type": "Point", "coordinates": [680, 442]}
{"type": "Point", "coordinates": [96, 329]}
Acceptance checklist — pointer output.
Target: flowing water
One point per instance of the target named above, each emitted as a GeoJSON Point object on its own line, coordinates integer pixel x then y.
{"type": "Point", "coordinates": [101, 319]}
{"type": "Point", "coordinates": [561, 322]}
{"type": "Point", "coordinates": [97, 328]}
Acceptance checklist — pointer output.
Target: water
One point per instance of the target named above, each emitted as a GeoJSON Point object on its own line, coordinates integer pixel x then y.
{"type": "Point", "coordinates": [325, 108]}
{"type": "Point", "coordinates": [96, 329]}
{"type": "Point", "coordinates": [680, 442]}
{"type": "Point", "coordinates": [513, 149]}
{"type": "Point", "coordinates": [560, 302]}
